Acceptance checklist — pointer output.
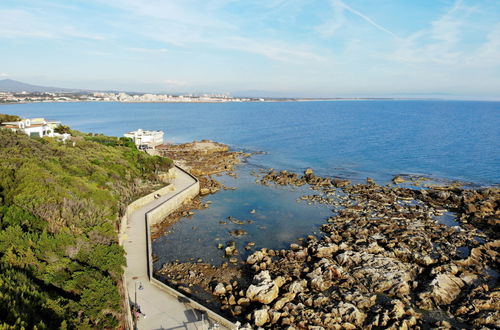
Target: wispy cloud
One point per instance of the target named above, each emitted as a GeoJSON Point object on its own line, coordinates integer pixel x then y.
{"type": "Point", "coordinates": [329, 28]}
{"type": "Point", "coordinates": [32, 23]}
{"type": "Point", "coordinates": [363, 16]}
{"type": "Point", "coordinates": [273, 50]}
{"type": "Point", "coordinates": [4, 75]}
{"type": "Point", "coordinates": [148, 50]}
{"type": "Point", "coordinates": [439, 43]}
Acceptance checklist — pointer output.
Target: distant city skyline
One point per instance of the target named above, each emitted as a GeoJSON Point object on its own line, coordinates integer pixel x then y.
{"type": "Point", "coordinates": [293, 48]}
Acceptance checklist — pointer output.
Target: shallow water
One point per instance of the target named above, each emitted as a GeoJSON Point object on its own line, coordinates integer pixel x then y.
{"type": "Point", "coordinates": [278, 221]}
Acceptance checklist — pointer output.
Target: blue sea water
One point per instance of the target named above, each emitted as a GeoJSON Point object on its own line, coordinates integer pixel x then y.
{"type": "Point", "coordinates": [450, 140]}
{"type": "Point", "coordinates": [455, 140]}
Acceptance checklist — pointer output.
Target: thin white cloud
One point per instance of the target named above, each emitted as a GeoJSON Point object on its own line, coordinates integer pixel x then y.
{"type": "Point", "coordinates": [18, 23]}
{"type": "Point", "coordinates": [4, 75]}
{"type": "Point", "coordinates": [439, 43]}
{"type": "Point", "coordinates": [148, 50]}
{"type": "Point", "coordinates": [339, 6]}
{"type": "Point", "coordinates": [330, 27]}
{"type": "Point", "coordinates": [273, 50]}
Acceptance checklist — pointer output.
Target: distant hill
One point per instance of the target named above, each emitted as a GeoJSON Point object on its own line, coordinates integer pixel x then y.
{"type": "Point", "coordinates": [14, 86]}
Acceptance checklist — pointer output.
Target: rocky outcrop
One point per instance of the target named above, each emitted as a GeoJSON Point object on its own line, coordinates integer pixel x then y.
{"type": "Point", "coordinates": [382, 260]}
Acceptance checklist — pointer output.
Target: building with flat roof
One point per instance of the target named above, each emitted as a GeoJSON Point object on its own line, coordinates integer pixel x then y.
{"type": "Point", "coordinates": [35, 127]}
{"type": "Point", "coordinates": [145, 139]}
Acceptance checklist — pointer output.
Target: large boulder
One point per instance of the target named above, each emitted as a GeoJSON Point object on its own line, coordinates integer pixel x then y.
{"type": "Point", "coordinates": [378, 273]}
{"type": "Point", "coordinates": [442, 290]}
{"type": "Point", "coordinates": [263, 289]}
{"type": "Point", "coordinates": [219, 289]}
{"type": "Point", "coordinates": [260, 317]}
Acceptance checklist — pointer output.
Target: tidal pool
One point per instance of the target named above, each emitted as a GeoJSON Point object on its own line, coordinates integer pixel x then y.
{"type": "Point", "coordinates": [279, 219]}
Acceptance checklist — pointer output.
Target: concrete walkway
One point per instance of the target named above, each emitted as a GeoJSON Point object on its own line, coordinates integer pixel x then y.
{"type": "Point", "coordinates": [163, 311]}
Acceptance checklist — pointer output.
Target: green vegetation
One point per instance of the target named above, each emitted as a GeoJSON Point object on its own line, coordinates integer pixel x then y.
{"type": "Point", "coordinates": [62, 129]}
{"type": "Point", "coordinates": [60, 262]}
{"type": "Point", "coordinates": [5, 117]}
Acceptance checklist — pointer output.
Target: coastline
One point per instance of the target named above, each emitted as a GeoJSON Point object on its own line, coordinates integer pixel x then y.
{"type": "Point", "coordinates": [267, 268]}
{"type": "Point", "coordinates": [271, 100]}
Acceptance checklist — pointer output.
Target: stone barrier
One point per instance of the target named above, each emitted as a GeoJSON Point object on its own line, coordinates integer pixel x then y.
{"type": "Point", "coordinates": [156, 215]}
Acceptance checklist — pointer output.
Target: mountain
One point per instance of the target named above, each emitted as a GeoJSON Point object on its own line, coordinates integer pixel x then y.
{"type": "Point", "coordinates": [9, 85]}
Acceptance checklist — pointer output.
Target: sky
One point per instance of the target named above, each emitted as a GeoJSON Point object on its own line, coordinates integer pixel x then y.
{"type": "Point", "coordinates": [301, 48]}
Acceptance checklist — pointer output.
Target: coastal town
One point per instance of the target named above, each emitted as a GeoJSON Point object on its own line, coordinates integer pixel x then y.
{"type": "Point", "coordinates": [32, 97]}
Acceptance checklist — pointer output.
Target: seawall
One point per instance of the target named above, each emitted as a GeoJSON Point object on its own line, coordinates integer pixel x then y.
{"type": "Point", "coordinates": [189, 188]}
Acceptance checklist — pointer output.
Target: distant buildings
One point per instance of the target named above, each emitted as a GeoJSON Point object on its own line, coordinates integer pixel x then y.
{"type": "Point", "coordinates": [25, 97]}
{"type": "Point", "coordinates": [146, 139]}
{"type": "Point", "coordinates": [35, 127]}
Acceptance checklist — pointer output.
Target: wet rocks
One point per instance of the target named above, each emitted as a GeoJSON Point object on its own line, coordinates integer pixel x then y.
{"type": "Point", "coordinates": [383, 258]}
{"type": "Point", "coordinates": [238, 232]}
{"type": "Point", "coordinates": [339, 183]}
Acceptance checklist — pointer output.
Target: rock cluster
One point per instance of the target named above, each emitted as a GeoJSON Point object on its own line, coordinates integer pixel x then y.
{"type": "Point", "coordinates": [382, 261]}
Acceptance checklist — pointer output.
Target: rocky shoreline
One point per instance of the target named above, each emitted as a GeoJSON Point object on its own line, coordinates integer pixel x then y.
{"type": "Point", "coordinates": [383, 260]}
{"type": "Point", "coordinates": [205, 159]}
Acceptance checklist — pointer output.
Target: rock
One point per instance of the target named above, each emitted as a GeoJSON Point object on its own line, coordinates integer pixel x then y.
{"type": "Point", "coordinates": [442, 290]}
{"type": "Point", "coordinates": [308, 172]}
{"type": "Point", "coordinates": [339, 183]}
{"type": "Point", "coordinates": [185, 289]}
{"type": "Point", "coordinates": [231, 300]}
{"type": "Point", "coordinates": [253, 211]}
{"type": "Point", "coordinates": [263, 289]}
{"type": "Point", "coordinates": [219, 289]}
{"type": "Point", "coordinates": [275, 316]}
{"type": "Point", "coordinates": [443, 325]}
{"type": "Point", "coordinates": [398, 179]}
{"type": "Point", "coordinates": [230, 251]}
{"type": "Point", "coordinates": [280, 280]}
{"type": "Point", "coordinates": [243, 301]}
{"type": "Point", "coordinates": [379, 273]}
{"type": "Point", "coordinates": [297, 286]}
{"type": "Point", "coordinates": [255, 257]}
{"type": "Point", "coordinates": [287, 297]}
{"type": "Point", "coordinates": [324, 251]}
{"type": "Point", "coordinates": [260, 317]}
{"type": "Point", "coordinates": [238, 232]}
{"type": "Point", "coordinates": [349, 314]}
{"type": "Point", "coordinates": [204, 191]}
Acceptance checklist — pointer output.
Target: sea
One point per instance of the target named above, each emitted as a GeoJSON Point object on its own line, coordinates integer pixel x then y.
{"type": "Point", "coordinates": [446, 141]}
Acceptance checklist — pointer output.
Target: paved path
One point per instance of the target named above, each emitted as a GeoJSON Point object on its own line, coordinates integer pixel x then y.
{"type": "Point", "coordinates": [163, 311]}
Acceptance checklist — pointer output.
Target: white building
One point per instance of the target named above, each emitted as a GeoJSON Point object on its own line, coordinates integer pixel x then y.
{"type": "Point", "coordinates": [146, 139]}
{"type": "Point", "coordinates": [35, 127]}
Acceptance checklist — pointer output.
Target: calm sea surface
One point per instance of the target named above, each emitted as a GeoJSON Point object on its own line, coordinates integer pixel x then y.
{"type": "Point", "coordinates": [450, 140]}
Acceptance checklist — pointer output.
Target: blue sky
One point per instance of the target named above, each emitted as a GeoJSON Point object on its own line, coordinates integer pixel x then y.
{"type": "Point", "coordinates": [320, 48]}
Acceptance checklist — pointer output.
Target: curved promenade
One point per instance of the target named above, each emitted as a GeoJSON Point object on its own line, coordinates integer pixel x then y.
{"type": "Point", "coordinates": [164, 307]}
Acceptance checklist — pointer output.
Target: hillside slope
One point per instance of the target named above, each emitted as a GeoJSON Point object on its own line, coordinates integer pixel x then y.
{"type": "Point", "coordinates": [60, 263]}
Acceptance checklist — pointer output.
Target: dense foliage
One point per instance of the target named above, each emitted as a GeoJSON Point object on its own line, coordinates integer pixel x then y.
{"type": "Point", "coordinates": [60, 262]}
{"type": "Point", "coordinates": [6, 117]}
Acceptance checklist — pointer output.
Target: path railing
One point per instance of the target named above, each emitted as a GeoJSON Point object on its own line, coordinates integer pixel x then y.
{"type": "Point", "coordinates": [156, 215]}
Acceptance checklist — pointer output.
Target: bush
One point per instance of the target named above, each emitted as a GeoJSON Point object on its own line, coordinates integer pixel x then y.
{"type": "Point", "coordinates": [59, 205]}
